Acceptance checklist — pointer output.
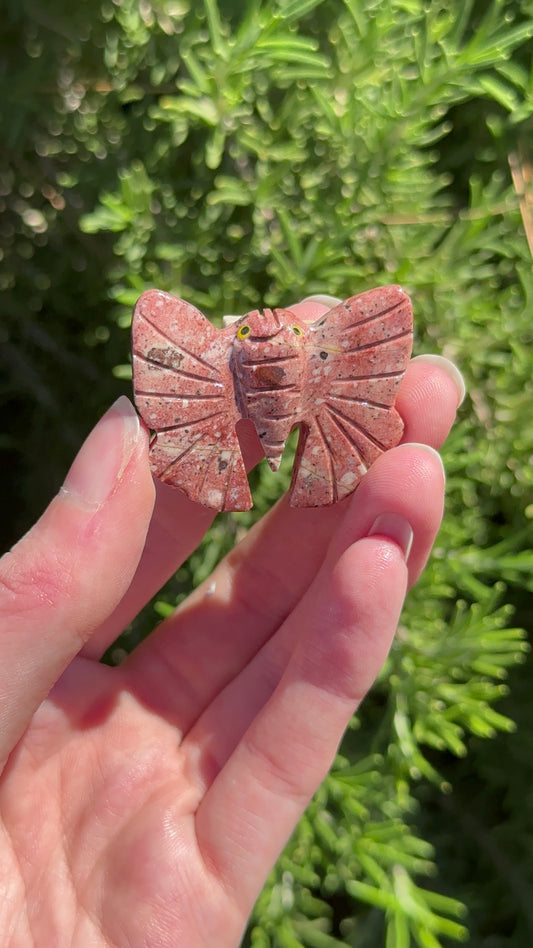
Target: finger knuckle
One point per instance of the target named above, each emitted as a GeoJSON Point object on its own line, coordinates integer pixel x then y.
{"type": "Point", "coordinates": [34, 581]}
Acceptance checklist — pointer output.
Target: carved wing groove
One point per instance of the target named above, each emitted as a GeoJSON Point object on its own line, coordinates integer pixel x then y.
{"type": "Point", "coordinates": [340, 420]}
{"type": "Point", "coordinates": [208, 458]}
{"type": "Point", "coordinates": [257, 392]}
{"type": "Point", "coordinates": [192, 424]}
{"type": "Point", "coordinates": [249, 363]}
{"type": "Point", "coordinates": [179, 398]}
{"type": "Point", "coordinates": [379, 342]}
{"type": "Point", "coordinates": [330, 476]}
{"type": "Point", "coordinates": [180, 348]}
{"type": "Point", "coordinates": [379, 315]}
{"type": "Point", "coordinates": [360, 401]}
{"type": "Point", "coordinates": [179, 457]}
{"type": "Point", "coordinates": [368, 378]}
{"type": "Point", "coordinates": [173, 368]}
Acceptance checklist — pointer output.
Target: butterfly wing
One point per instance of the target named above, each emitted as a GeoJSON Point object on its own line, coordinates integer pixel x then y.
{"type": "Point", "coordinates": [357, 356]}
{"type": "Point", "coordinates": [183, 387]}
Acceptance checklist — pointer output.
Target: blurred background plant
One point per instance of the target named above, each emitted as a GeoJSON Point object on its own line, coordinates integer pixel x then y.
{"type": "Point", "coordinates": [236, 154]}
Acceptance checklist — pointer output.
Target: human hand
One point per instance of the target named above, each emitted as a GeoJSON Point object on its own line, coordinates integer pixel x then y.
{"type": "Point", "coordinates": [145, 805]}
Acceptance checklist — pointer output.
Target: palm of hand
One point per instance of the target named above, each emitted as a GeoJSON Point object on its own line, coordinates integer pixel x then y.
{"type": "Point", "coordinates": [116, 859]}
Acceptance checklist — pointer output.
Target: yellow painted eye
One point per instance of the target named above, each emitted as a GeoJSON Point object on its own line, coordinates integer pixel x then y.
{"type": "Point", "coordinates": [297, 331]}
{"type": "Point", "coordinates": [243, 331]}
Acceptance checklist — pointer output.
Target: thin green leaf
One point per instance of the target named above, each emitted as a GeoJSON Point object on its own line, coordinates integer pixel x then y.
{"type": "Point", "coordinates": [296, 9]}
{"type": "Point", "coordinates": [215, 28]}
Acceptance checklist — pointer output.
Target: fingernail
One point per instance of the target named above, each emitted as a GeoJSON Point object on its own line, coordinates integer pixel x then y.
{"type": "Point", "coordinates": [104, 456]}
{"type": "Point", "coordinates": [395, 528]}
{"type": "Point", "coordinates": [451, 371]}
{"type": "Point", "coordinates": [322, 298]}
{"type": "Point", "coordinates": [429, 450]}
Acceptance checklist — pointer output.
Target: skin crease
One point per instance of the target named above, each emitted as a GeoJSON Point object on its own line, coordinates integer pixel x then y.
{"type": "Point", "coordinates": [145, 805]}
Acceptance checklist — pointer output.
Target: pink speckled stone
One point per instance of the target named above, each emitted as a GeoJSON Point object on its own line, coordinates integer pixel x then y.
{"type": "Point", "coordinates": [337, 378]}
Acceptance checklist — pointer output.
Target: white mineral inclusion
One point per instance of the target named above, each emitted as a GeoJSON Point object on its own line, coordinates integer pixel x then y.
{"type": "Point", "coordinates": [215, 498]}
{"type": "Point", "coordinates": [349, 480]}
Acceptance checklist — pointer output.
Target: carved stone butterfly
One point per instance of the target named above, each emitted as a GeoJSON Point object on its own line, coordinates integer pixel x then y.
{"type": "Point", "coordinates": [336, 378]}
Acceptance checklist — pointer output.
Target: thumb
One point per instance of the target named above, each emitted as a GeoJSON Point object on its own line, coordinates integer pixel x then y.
{"type": "Point", "coordinates": [71, 569]}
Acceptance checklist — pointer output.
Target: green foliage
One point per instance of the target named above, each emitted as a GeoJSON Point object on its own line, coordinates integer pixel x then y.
{"type": "Point", "coordinates": [239, 156]}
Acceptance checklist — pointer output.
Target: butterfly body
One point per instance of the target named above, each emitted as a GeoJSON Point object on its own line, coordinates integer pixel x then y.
{"type": "Point", "coordinates": [268, 361]}
{"type": "Point", "coordinates": [337, 379]}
